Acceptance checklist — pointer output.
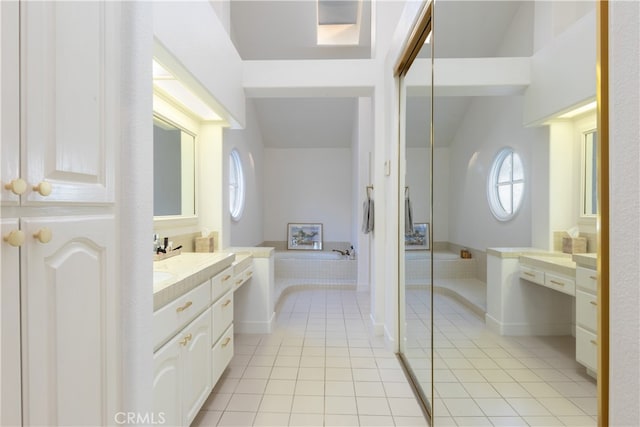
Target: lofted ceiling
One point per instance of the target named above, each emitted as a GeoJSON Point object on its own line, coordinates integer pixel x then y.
{"type": "Point", "coordinates": [287, 30]}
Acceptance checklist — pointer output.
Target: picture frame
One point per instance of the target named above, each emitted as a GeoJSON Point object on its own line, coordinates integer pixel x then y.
{"type": "Point", "coordinates": [304, 236]}
{"type": "Point", "coordinates": [418, 239]}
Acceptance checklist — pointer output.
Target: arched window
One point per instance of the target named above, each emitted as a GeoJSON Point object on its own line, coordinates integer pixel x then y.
{"type": "Point", "coordinates": [505, 188]}
{"type": "Point", "coordinates": [236, 185]}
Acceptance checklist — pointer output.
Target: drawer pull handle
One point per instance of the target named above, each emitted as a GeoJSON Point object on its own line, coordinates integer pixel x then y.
{"type": "Point", "coordinates": [593, 277]}
{"type": "Point", "coordinates": [184, 307]}
{"type": "Point", "coordinates": [17, 186]}
{"type": "Point", "coordinates": [249, 273]}
{"type": "Point", "coordinates": [594, 342]}
{"type": "Point", "coordinates": [238, 281]}
{"type": "Point", "coordinates": [226, 342]}
{"type": "Point", "coordinates": [15, 238]}
{"type": "Point", "coordinates": [226, 303]}
{"type": "Point", "coordinates": [555, 282]}
{"type": "Point", "coordinates": [186, 339]}
{"type": "Point", "coordinates": [593, 303]}
{"type": "Point", "coordinates": [529, 274]}
{"type": "Point", "coordinates": [227, 277]}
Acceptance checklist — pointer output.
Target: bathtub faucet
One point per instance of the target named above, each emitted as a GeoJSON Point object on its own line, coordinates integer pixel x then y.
{"type": "Point", "coordinates": [343, 253]}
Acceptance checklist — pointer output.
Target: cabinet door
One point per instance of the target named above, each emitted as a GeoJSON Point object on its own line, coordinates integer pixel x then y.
{"type": "Point", "coordinates": [10, 107]}
{"type": "Point", "coordinates": [10, 411]}
{"type": "Point", "coordinates": [70, 102]}
{"type": "Point", "coordinates": [167, 383]}
{"type": "Point", "coordinates": [70, 321]}
{"type": "Point", "coordinates": [197, 365]}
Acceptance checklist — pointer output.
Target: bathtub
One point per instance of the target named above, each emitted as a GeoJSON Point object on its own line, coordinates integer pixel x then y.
{"type": "Point", "coordinates": [294, 269]}
{"type": "Point", "coordinates": [422, 255]}
{"type": "Point", "coordinates": [447, 265]}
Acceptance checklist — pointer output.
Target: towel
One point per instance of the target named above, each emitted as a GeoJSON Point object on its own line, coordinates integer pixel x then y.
{"type": "Point", "coordinates": [367, 219]}
{"type": "Point", "coordinates": [408, 216]}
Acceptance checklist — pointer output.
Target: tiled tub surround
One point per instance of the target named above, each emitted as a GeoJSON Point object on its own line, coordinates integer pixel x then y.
{"type": "Point", "coordinates": [294, 269]}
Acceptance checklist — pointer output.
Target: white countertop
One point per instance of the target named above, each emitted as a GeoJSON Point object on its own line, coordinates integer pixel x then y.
{"type": "Point", "coordinates": [557, 262]}
{"type": "Point", "coordinates": [186, 271]}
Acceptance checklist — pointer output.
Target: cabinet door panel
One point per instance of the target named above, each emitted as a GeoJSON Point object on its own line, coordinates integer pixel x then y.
{"type": "Point", "coordinates": [69, 322]}
{"type": "Point", "coordinates": [167, 383]}
{"type": "Point", "coordinates": [10, 90]}
{"type": "Point", "coordinates": [10, 411]}
{"type": "Point", "coordinates": [197, 365]}
{"type": "Point", "coordinates": [69, 95]}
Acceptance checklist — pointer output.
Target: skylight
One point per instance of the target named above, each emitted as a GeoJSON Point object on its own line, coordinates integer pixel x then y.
{"type": "Point", "coordinates": [339, 22]}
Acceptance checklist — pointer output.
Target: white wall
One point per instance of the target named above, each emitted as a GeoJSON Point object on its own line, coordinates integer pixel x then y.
{"type": "Point", "coordinates": [248, 230]}
{"type": "Point", "coordinates": [624, 164]}
{"type": "Point", "coordinates": [490, 124]}
{"type": "Point", "coordinates": [308, 185]}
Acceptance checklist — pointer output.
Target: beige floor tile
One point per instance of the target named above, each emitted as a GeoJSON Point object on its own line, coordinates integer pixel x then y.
{"type": "Point", "coordinates": [405, 407]}
{"type": "Point", "coordinates": [528, 407]}
{"type": "Point", "coordinates": [239, 419]}
{"type": "Point", "coordinates": [251, 386]}
{"type": "Point", "coordinates": [508, 421]}
{"type": "Point", "coordinates": [308, 404]}
{"type": "Point", "coordinates": [339, 388]}
{"type": "Point", "coordinates": [276, 403]}
{"type": "Point", "coordinates": [369, 389]}
{"type": "Point", "coordinates": [271, 419]}
{"type": "Point", "coordinates": [496, 407]}
{"type": "Point", "coordinates": [244, 403]}
{"type": "Point", "coordinates": [462, 408]}
{"type": "Point", "coordinates": [306, 420]}
{"type": "Point", "coordinates": [207, 419]}
{"type": "Point", "coordinates": [310, 388]}
{"type": "Point", "coordinates": [473, 421]}
{"type": "Point", "coordinates": [413, 422]}
{"type": "Point", "coordinates": [373, 406]}
{"type": "Point", "coordinates": [284, 387]}
{"type": "Point", "coordinates": [343, 405]}
{"type": "Point", "coordinates": [339, 420]}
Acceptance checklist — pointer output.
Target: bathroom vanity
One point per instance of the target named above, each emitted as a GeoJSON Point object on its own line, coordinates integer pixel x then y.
{"type": "Point", "coordinates": [533, 292]}
{"type": "Point", "coordinates": [193, 325]}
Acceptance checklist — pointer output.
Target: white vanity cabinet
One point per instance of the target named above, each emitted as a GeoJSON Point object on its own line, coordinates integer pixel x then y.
{"type": "Point", "coordinates": [587, 318]}
{"type": "Point", "coordinates": [182, 373]}
{"type": "Point", "coordinates": [182, 366]}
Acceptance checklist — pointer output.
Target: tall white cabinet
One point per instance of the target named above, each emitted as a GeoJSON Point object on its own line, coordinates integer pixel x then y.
{"type": "Point", "coordinates": [59, 79]}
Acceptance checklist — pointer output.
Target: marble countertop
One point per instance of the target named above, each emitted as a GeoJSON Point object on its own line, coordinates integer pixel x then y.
{"type": "Point", "coordinates": [178, 275]}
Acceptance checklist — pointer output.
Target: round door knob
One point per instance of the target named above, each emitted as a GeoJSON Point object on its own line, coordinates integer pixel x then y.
{"type": "Point", "coordinates": [44, 188]}
{"type": "Point", "coordinates": [17, 186]}
{"type": "Point", "coordinates": [15, 238]}
{"type": "Point", "coordinates": [43, 235]}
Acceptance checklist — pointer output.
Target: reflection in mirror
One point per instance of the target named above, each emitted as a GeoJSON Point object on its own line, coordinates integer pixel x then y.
{"type": "Point", "coordinates": [173, 170]}
{"type": "Point", "coordinates": [590, 192]}
{"type": "Point", "coordinates": [415, 246]}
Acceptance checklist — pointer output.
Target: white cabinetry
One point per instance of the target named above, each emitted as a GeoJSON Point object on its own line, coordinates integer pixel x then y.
{"type": "Point", "coordinates": [182, 372]}
{"type": "Point", "coordinates": [60, 75]}
{"type": "Point", "coordinates": [586, 318]}
{"type": "Point", "coordinates": [59, 79]}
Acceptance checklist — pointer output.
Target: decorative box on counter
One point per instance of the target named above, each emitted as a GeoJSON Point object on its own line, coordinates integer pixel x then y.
{"type": "Point", "coordinates": [574, 245]}
{"type": "Point", "coordinates": [205, 244]}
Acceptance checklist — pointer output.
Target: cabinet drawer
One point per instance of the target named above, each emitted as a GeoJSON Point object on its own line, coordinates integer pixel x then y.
{"type": "Point", "coordinates": [587, 348]}
{"type": "Point", "coordinates": [221, 354]}
{"type": "Point", "coordinates": [242, 277]}
{"type": "Point", "coordinates": [173, 316]}
{"type": "Point", "coordinates": [586, 311]}
{"type": "Point", "coordinates": [560, 283]}
{"type": "Point", "coordinates": [586, 279]}
{"type": "Point", "coordinates": [221, 283]}
{"type": "Point", "coordinates": [531, 274]}
{"type": "Point", "coordinates": [222, 315]}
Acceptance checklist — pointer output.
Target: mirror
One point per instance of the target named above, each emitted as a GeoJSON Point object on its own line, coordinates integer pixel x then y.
{"type": "Point", "coordinates": [589, 175]}
{"type": "Point", "coordinates": [173, 170]}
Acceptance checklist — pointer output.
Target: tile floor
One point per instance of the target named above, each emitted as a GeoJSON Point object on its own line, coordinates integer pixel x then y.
{"type": "Point", "coordinates": [320, 367]}
{"type": "Point", "coordinates": [484, 379]}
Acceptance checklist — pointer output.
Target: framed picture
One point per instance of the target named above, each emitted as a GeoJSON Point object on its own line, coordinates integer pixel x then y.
{"type": "Point", "coordinates": [304, 236]}
{"type": "Point", "coordinates": [418, 239]}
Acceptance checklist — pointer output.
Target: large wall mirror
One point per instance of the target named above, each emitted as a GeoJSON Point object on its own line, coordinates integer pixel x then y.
{"type": "Point", "coordinates": [461, 102]}
{"type": "Point", "coordinates": [174, 176]}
